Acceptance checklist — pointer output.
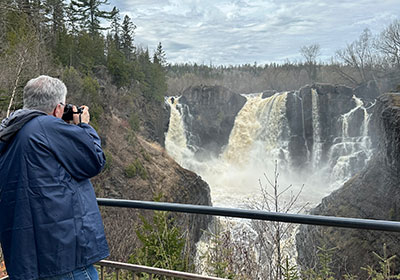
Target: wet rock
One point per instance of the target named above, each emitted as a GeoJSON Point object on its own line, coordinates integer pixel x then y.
{"type": "Point", "coordinates": [211, 113]}
{"type": "Point", "coordinates": [372, 194]}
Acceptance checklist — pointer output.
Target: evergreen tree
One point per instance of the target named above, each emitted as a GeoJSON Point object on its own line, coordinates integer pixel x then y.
{"type": "Point", "coordinates": [55, 10]}
{"type": "Point", "coordinates": [72, 20]}
{"type": "Point", "coordinates": [116, 63]}
{"type": "Point", "coordinates": [128, 31]}
{"type": "Point", "coordinates": [116, 28]}
{"type": "Point", "coordinates": [159, 56]}
{"type": "Point", "coordinates": [89, 14]}
{"type": "Point", "coordinates": [163, 244]}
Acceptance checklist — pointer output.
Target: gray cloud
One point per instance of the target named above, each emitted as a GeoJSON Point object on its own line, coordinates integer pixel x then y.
{"type": "Point", "coordinates": [244, 31]}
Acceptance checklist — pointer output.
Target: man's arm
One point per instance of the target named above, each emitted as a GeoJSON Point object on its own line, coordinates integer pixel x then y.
{"type": "Point", "coordinates": [77, 148]}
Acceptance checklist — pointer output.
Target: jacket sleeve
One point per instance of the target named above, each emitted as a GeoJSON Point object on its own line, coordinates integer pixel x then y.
{"type": "Point", "coordinates": [77, 148]}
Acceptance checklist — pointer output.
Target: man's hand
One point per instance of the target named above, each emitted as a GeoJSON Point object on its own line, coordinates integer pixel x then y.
{"type": "Point", "coordinates": [85, 116]}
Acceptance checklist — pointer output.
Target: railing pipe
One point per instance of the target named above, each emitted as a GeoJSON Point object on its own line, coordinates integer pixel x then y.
{"type": "Point", "coordinates": [156, 271]}
{"type": "Point", "coordinates": [255, 214]}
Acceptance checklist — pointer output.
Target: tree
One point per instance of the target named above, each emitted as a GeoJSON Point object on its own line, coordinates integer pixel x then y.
{"type": "Point", "coordinates": [358, 56]}
{"type": "Point", "coordinates": [56, 11]}
{"type": "Point", "coordinates": [89, 14]}
{"type": "Point", "coordinates": [389, 43]}
{"type": "Point", "coordinates": [159, 56]}
{"type": "Point", "coordinates": [128, 32]}
{"type": "Point", "coordinates": [310, 53]}
{"type": "Point", "coordinates": [24, 55]}
{"type": "Point", "coordinates": [270, 245]}
{"type": "Point", "coordinates": [72, 20]}
{"type": "Point", "coordinates": [163, 244]}
{"type": "Point", "coordinates": [116, 28]}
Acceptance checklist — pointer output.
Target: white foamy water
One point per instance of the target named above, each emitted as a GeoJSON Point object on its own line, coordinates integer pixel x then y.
{"type": "Point", "coordinates": [259, 139]}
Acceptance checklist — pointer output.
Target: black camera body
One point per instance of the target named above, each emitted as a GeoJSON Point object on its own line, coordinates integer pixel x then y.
{"type": "Point", "coordinates": [68, 114]}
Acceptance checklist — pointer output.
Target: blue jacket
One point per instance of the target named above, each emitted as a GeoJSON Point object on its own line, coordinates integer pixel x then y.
{"type": "Point", "coordinates": [50, 223]}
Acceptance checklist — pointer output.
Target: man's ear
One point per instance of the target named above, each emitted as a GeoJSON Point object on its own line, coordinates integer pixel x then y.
{"type": "Point", "coordinates": [58, 111]}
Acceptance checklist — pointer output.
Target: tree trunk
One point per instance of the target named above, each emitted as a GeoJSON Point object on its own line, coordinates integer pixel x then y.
{"type": "Point", "coordinates": [19, 71]}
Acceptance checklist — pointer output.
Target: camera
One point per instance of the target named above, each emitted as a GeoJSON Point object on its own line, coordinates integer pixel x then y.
{"type": "Point", "coordinates": [68, 114]}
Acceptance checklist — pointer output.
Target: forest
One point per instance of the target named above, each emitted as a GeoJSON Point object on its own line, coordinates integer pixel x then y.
{"type": "Point", "coordinates": [370, 57]}
{"type": "Point", "coordinates": [49, 37]}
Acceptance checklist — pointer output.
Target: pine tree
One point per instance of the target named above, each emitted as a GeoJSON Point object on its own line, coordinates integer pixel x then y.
{"type": "Point", "coordinates": [55, 10]}
{"type": "Point", "coordinates": [89, 14]}
{"type": "Point", "coordinates": [116, 28]}
{"type": "Point", "coordinates": [72, 20]}
{"type": "Point", "coordinates": [159, 56]}
{"type": "Point", "coordinates": [128, 31]}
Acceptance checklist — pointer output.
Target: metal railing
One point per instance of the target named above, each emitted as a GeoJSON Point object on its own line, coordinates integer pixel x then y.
{"type": "Point", "coordinates": [150, 271]}
{"type": "Point", "coordinates": [367, 224]}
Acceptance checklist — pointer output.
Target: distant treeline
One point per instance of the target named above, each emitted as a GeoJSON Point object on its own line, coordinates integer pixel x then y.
{"type": "Point", "coordinates": [369, 57]}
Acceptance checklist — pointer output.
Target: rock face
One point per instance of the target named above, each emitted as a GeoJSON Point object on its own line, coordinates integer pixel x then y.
{"type": "Point", "coordinates": [210, 115]}
{"type": "Point", "coordinates": [373, 193]}
{"type": "Point", "coordinates": [307, 113]}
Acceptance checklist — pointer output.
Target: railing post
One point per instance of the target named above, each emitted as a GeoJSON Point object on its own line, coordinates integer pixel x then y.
{"type": "Point", "coordinates": [117, 271]}
{"type": "Point", "coordinates": [102, 272]}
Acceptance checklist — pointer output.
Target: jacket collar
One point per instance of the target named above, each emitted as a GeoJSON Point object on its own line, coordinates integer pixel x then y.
{"type": "Point", "coordinates": [11, 125]}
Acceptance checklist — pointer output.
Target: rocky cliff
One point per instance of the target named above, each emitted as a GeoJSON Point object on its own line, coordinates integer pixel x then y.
{"type": "Point", "coordinates": [373, 194]}
{"type": "Point", "coordinates": [209, 115]}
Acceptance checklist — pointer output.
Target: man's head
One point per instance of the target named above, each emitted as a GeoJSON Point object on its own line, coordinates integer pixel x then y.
{"type": "Point", "coordinates": [46, 94]}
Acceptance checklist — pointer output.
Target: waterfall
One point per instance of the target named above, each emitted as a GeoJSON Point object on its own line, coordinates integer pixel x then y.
{"type": "Point", "coordinates": [250, 139]}
{"type": "Point", "coordinates": [349, 153]}
{"type": "Point", "coordinates": [175, 140]}
{"type": "Point", "coordinates": [317, 145]}
{"type": "Point", "coordinates": [260, 136]}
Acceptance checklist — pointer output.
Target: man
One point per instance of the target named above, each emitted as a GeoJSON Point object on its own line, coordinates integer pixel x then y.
{"type": "Point", "coordinates": [50, 224]}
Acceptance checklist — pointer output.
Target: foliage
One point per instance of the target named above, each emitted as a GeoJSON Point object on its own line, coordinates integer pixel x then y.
{"type": "Point", "coordinates": [88, 14]}
{"type": "Point", "coordinates": [127, 34]}
{"type": "Point", "coordinates": [136, 169]}
{"type": "Point", "coordinates": [289, 272]}
{"type": "Point", "coordinates": [146, 155]}
{"type": "Point", "coordinates": [109, 160]}
{"type": "Point", "coordinates": [323, 270]}
{"type": "Point", "coordinates": [385, 271]}
{"type": "Point", "coordinates": [163, 244]}
{"type": "Point", "coordinates": [134, 122]}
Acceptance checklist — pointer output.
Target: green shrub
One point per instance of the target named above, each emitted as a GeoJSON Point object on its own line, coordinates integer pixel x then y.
{"type": "Point", "coordinates": [323, 270]}
{"type": "Point", "coordinates": [163, 244]}
{"type": "Point", "coordinates": [109, 160]}
{"type": "Point", "coordinates": [134, 122]}
{"type": "Point", "coordinates": [136, 169]}
{"type": "Point", "coordinates": [386, 267]}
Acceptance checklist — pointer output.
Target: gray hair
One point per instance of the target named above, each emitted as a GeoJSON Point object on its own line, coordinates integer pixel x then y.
{"type": "Point", "coordinates": [44, 93]}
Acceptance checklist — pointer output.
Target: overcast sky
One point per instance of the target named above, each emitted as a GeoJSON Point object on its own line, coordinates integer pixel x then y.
{"type": "Point", "coordinates": [244, 31]}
